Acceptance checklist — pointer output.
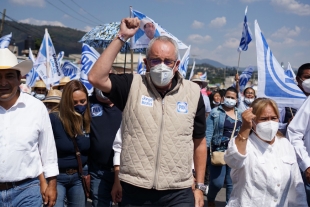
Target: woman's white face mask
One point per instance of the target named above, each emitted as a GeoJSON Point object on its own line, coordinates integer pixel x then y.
{"type": "Point", "coordinates": [266, 130]}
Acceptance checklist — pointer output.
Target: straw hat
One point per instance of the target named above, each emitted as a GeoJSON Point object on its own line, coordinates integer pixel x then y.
{"type": "Point", "coordinates": [53, 96]}
{"type": "Point", "coordinates": [62, 82]}
{"type": "Point", "coordinates": [9, 61]}
{"type": "Point", "coordinates": [40, 84]}
{"type": "Point", "coordinates": [196, 78]}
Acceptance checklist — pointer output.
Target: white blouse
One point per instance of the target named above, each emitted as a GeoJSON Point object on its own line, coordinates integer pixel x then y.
{"type": "Point", "coordinates": [267, 175]}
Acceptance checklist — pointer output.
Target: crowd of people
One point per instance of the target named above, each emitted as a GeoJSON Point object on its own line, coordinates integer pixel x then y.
{"type": "Point", "coordinates": [148, 140]}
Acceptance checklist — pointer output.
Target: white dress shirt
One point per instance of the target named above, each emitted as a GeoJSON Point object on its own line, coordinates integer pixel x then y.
{"type": "Point", "coordinates": [117, 147]}
{"type": "Point", "coordinates": [27, 146]}
{"type": "Point", "coordinates": [298, 132]}
{"type": "Point", "coordinates": [267, 175]}
{"type": "Point", "coordinates": [206, 101]}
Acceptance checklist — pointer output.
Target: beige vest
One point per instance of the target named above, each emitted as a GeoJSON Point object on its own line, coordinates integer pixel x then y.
{"type": "Point", "coordinates": [157, 149]}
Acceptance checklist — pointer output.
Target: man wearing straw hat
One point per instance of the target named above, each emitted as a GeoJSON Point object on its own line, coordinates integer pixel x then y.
{"type": "Point", "coordinates": [52, 99]}
{"type": "Point", "coordinates": [206, 100]}
{"type": "Point", "coordinates": [40, 90]}
{"type": "Point", "coordinates": [62, 83]}
{"type": "Point", "coordinates": [26, 140]}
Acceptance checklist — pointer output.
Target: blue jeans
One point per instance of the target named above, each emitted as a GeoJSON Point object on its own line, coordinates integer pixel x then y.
{"type": "Point", "coordinates": [70, 189]}
{"type": "Point", "coordinates": [101, 183]}
{"type": "Point", "coordinates": [219, 174]}
{"type": "Point", "coordinates": [307, 187]}
{"type": "Point", "coordinates": [26, 194]}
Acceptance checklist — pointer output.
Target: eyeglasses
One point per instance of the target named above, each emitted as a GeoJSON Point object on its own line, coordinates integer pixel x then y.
{"type": "Point", "coordinates": [157, 61]}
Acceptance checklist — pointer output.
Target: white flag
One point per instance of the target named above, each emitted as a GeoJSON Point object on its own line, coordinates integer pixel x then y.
{"type": "Point", "coordinates": [46, 63]}
{"type": "Point", "coordinates": [148, 30]}
{"type": "Point", "coordinates": [184, 62]}
{"type": "Point", "coordinates": [192, 72]}
{"type": "Point", "coordinates": [273, 82]}
{"type": "Point", "coordinates": [5, 41]}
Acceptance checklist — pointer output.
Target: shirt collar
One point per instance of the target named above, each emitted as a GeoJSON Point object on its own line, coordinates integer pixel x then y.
{"type": "Point", "coordinates": [260, 144]}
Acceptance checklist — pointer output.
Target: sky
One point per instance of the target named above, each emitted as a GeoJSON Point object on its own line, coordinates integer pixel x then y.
{"type": "Point", "coordinates": [213, 28]}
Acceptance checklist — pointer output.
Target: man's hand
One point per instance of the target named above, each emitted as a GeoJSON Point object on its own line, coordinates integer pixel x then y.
{"type": "Point", "coordinates": [199, 200]}
{"type": "Point", "coordinates": [307, 174]}
{"type": "Point", "coordinates": [129, 27]}
{"type": "Point", "coordinates": [50, 194]}
{"type": "Point", "coordinates": [116, 192]}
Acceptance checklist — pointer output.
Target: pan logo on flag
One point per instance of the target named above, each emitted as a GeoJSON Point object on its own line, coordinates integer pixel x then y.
{"type": "Point", "coordinates": [182, 107]}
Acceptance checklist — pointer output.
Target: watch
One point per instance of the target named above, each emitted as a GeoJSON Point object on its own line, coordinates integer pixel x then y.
{"type": "Point", "coordinates": [201, 187]}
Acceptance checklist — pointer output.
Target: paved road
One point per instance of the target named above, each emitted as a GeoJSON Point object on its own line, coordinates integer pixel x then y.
{"type": "Point", "coordinates": [219, 201]}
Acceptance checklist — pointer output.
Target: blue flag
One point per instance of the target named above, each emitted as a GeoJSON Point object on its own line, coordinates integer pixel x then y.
{"type": "Point", "coordinates": [5, 41]}
{"type": "Point", "coordinates": [203, 77]}
{"type": "Point", "coordinates": [273, 82]}
{"type": "Point", "coordinates": [184, 62]}
{"type": "Point", "coordinates": [246, 35]}
{"type": "Point", "coordinates": [245, 77]}
{"type": "Point", "coordinates": [89, 57]}
{"type": "Point", "coordinates": [70, 70]}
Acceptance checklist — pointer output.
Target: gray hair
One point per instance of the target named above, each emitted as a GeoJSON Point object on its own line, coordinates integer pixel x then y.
{"type": "Point", "coordinates": [163, 39]}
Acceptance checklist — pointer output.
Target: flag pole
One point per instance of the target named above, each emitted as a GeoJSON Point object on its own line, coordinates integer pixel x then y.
{"type": "Point", "coordinates": [238, 61]}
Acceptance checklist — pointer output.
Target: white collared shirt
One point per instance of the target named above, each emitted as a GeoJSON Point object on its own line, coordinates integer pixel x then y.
{"type": "Point", "coordinates": [27, 145]}
{"type": "Point", "coordinates": [267, 175]}
{"type": "Point", "coordinates": [298, 132]}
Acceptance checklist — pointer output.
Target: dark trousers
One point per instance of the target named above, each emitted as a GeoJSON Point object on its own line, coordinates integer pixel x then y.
{"type": "Point", "coordinates": [135, 196]}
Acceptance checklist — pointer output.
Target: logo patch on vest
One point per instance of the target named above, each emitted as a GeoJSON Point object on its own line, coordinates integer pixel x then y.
{"type": "Point", "coordinates": [146, 101]}
{"type": "Point", "coordinates": [182, 107]}
{"type": "Point", "coordinates": [96, 110]}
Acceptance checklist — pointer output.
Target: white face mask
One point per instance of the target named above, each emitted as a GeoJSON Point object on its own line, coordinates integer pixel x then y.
{"type": "Point", "coordinates": [39, 96]}
{"type": "Point", "coordinates": [229, 102]}
{"type": "Point", "coordinates": [267, 130]}
{"type": "Point", "coordinates": [100, 94]}
{"type": "Point", "coordinates": [216, 103]}
{"type": "Point", "coordinates": [248, 100]}
{"type": "Point", "coordinates": [161, 74]}
{"type": "Point", "coordinates": [306, 85]}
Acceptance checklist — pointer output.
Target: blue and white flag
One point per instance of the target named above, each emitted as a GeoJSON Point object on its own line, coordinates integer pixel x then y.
{"type": "Point", "coordinates": [32, 76]}
{"type": "Point", "coordinates": [192, 72]}
{"type": "Point", "coordinates": [148, 30]}
{"type": "Point", "coordinates": [60, 56]}
{"type": "Point", "coordinates": [89, 57]}
{"type": "Point", "coordinates": [184, 62]}
{"type": "Point", "coordinates": [245, 77]}
{"type": "Point", "coordinates": [5, 41]}
{"type": "Point", "coordinates": [140, 69]}
{"type": "Point", "coordinates": [290, 73]}
{"type": "Point", "coordinates": [46, 64]}
{"type": "Point", "coordinates": [71, 70]}
{"type": "Point", "coordinates": [273, 82]}
{"type": "Point", "coordinates": [246, 35]}
{"type": "Point", "coordinates": [203, 77]}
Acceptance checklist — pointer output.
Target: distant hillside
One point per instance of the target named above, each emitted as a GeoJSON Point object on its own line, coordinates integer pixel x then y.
{"type": "Point", "coordinates": [64, 38]}
{"type": "Point", "coordinates": [208, 61]}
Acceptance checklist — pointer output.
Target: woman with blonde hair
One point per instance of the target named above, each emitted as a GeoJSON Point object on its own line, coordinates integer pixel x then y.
{"type": "Point", "coordinates": [71, 123]}
{"type": "Point", "coordinates": [264, 166]}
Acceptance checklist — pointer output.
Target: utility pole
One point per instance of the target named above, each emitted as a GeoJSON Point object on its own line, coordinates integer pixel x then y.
{"type": "Point", "coordinates": [2, 22]}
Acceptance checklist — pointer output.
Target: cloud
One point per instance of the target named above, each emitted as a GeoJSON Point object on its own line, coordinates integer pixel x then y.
{"type": "Point", "coordinates": [197, 25]}
{"type": "Point", "coordinates": [41, 22]}
{"type": "Point", "coordinates": [292, 6]}
{"type": "Point", "coordinates": [87, 28]}
{"type": "Point", "coordinates": [231, 43]}
{"type": "Point", "coordinates": [249, 1]}
{"type": "Point", "coordinates": [218, 22]}
{"type": "Point", "coordinates": [196, 38]}
{"type": "Point", "coordinates": [36, 3]}
{"type": "Point", "coordinates": [286, 32]}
